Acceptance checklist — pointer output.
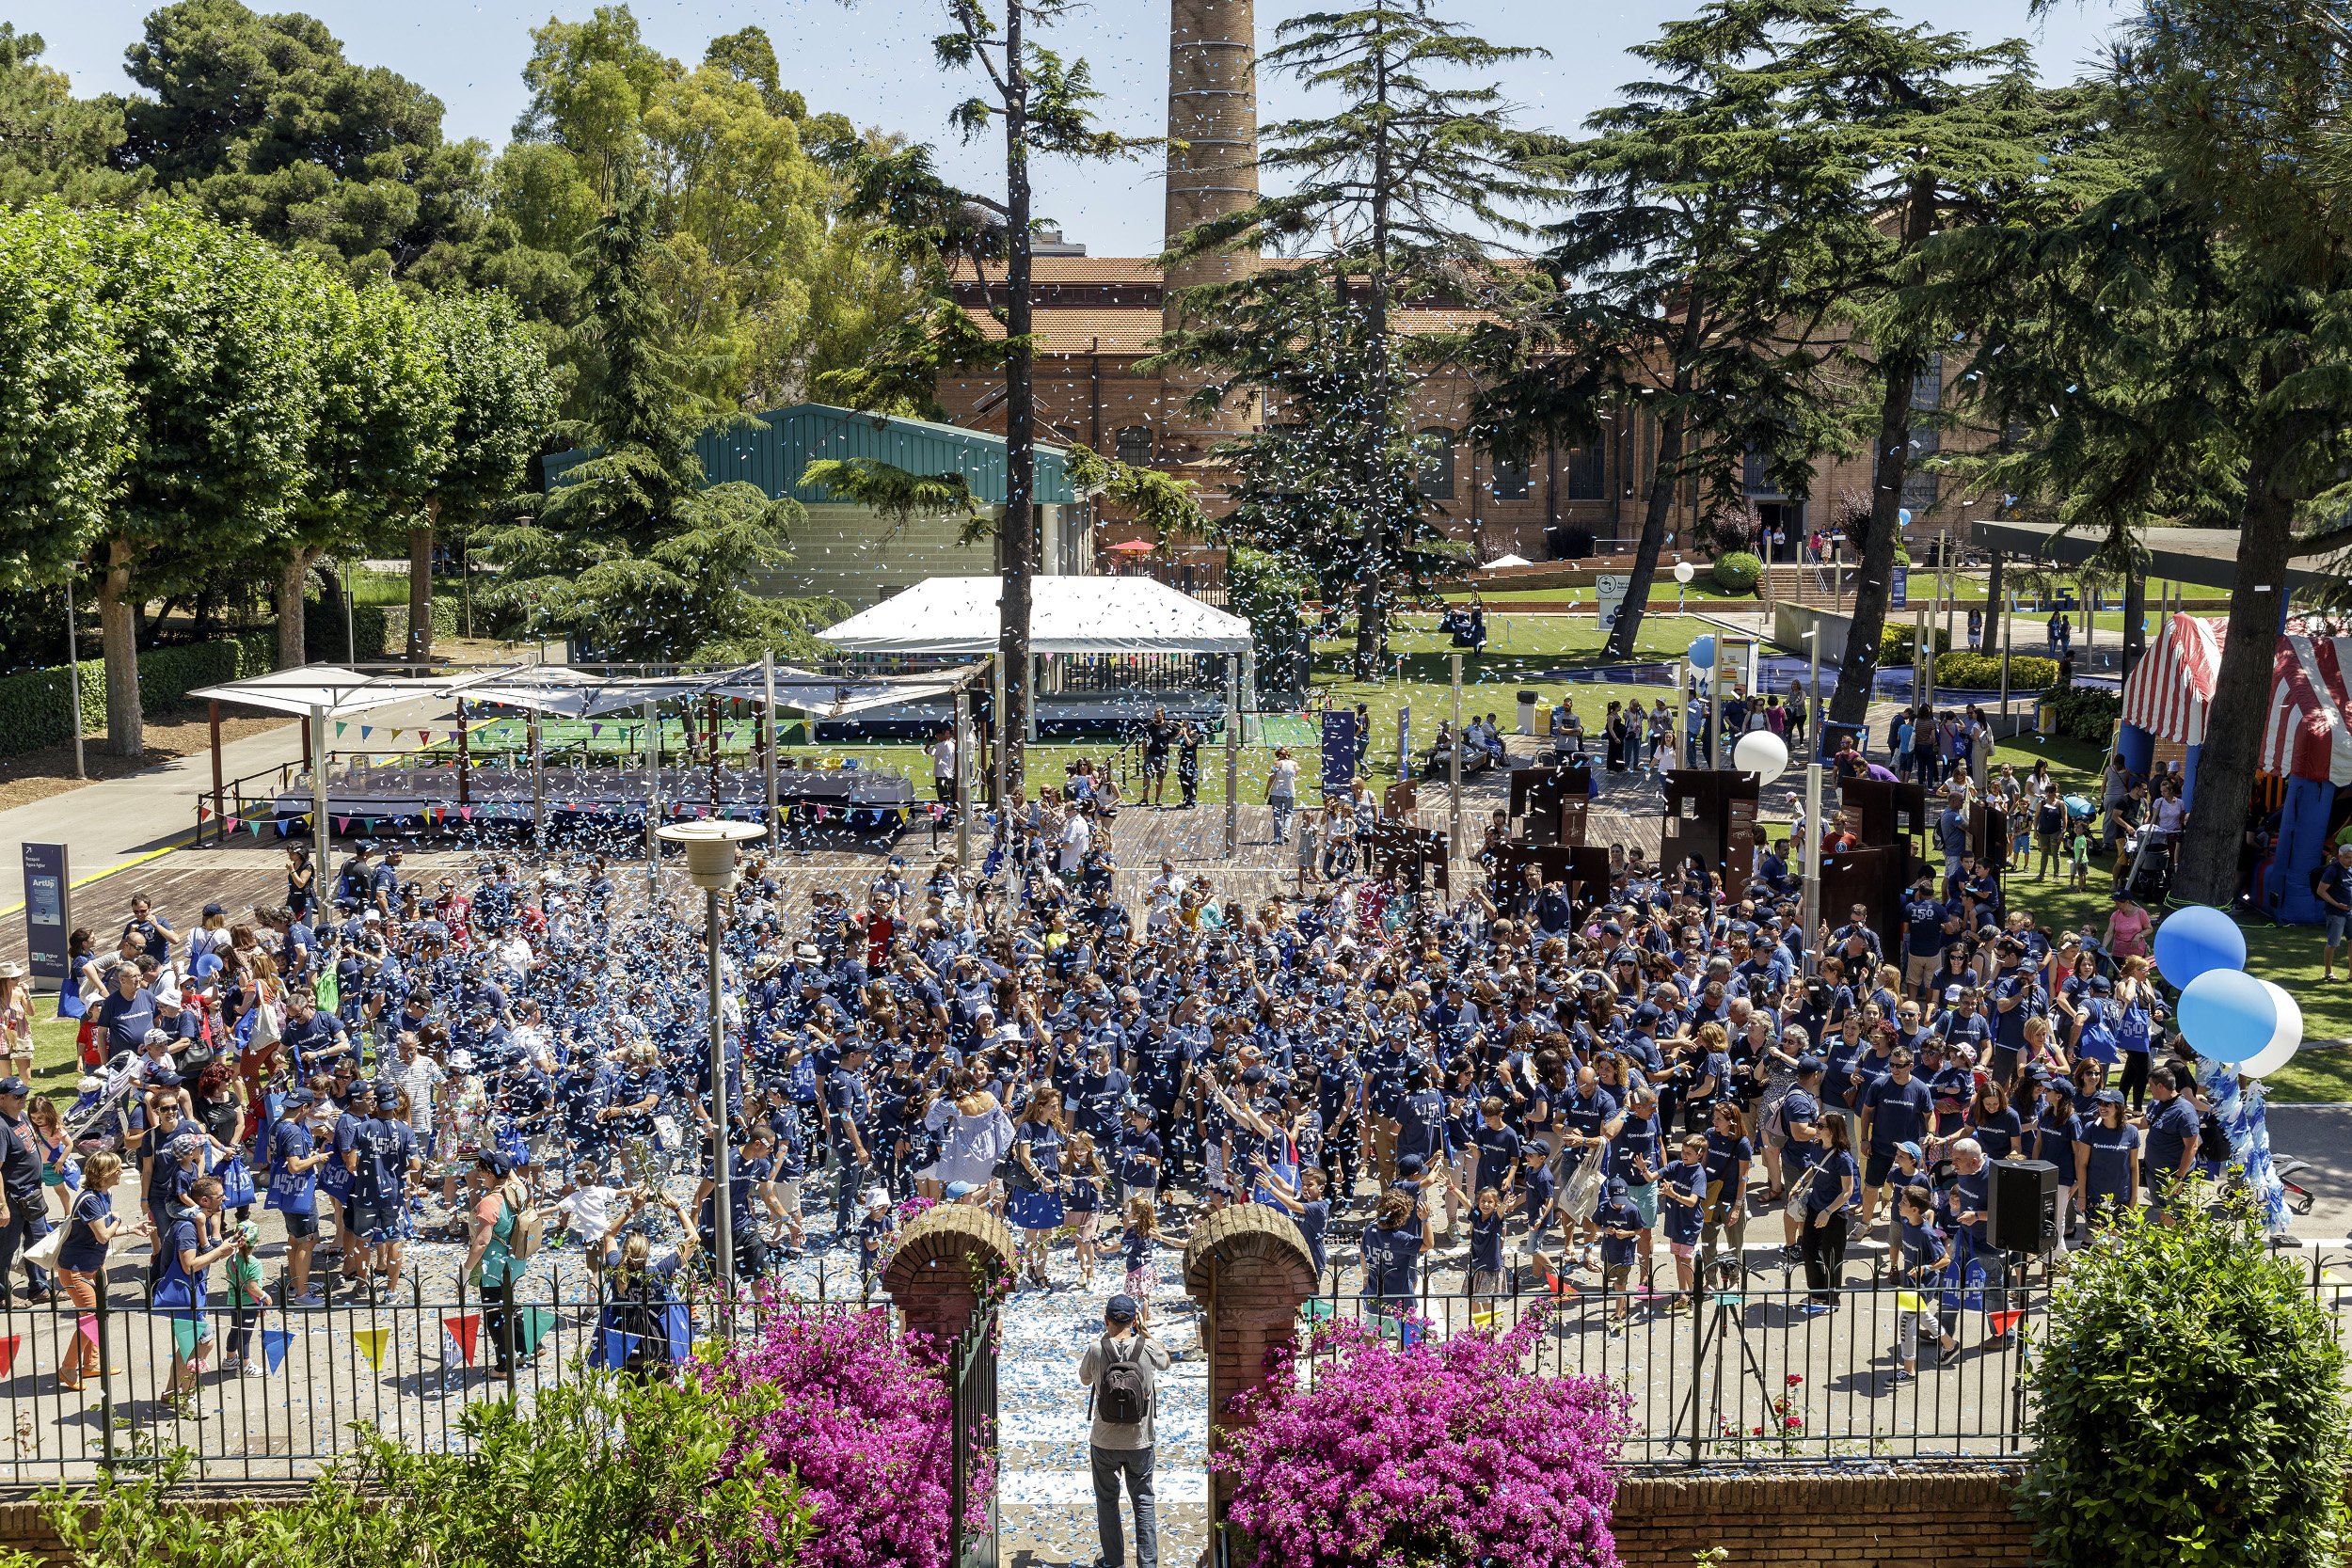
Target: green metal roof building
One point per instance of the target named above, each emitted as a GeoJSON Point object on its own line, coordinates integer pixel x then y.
{"type": "Point", "coordinates": [850, 551]}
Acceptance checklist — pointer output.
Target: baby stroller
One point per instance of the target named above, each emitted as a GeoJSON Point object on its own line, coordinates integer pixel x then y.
{"type": "Point", "coordinates": [102, 1095]}
{"type": "Point", "coordinates": [2148, 877]}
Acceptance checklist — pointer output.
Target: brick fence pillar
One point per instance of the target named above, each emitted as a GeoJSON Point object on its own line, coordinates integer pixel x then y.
{"type": "Point", "coordinates": [1250, 1270]}
{"type": "Point", "coordinates": [946, 1261]}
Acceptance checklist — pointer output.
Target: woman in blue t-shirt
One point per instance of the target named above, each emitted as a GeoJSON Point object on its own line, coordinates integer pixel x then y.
{"type": "Point", "coordinates": [1728, 1154]}
{"type": "Point", "coordinates": [1833, 1185]}
{"type": "Point", "coordinates": [2107, 1158]}
{"type": "Point", "coordinates": [89, 1229]}
{"type": "Point", "coordinates": [1036, 1204]}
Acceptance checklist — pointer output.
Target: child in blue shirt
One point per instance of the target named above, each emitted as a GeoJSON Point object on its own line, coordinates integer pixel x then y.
{"type": "Point", "coordinates": [1682, 1201]}
{"type": "Point", "coordinates": [1308, 1206]}
{"type": "Point", "coordinates": [1620, 1228]}
{"type": "Point", "coordinates": [1923, 1253]}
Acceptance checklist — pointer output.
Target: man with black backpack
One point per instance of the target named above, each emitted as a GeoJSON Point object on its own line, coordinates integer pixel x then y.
{"type": "Point", "coordinates": [1122, 1369]}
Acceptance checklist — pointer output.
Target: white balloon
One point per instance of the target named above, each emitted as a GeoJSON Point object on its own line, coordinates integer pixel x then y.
{"type": "Point", "coordinates": [2285, 1039]}
{"type": "Point", "coordinates": [1684, 571]}
{"type": "Point", "coordinates": [1762, 752]}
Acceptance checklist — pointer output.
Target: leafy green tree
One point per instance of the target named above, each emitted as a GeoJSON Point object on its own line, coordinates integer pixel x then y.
{"type": "Point", "coordinates": [502, 398]}
{"type": "Point", "coordinates": [380, 439]}
{"type": "Point", "coordinates": [64, 402]}
{"type": "Point", "coordinates": [262, 121]}
{"type": "Point", "coordinates": [1401, 181]}
{"type": "Point", "coordinates": [2242, 1458]}
{"type": "Point", "coordinates": [1042, 106]}
{"type": "Point", "coordinates": [1684, 277]}
{"type": "Point", "coordinates": [1940, 134]}
{"type": "Point", "coordinates": [631, 554]}
{"type": "Point", "coordinates": [223, 397]}
{"type": "Point", "coordinates": [768, 281]}
{"type": "Point", "coordinates": [51, 142]}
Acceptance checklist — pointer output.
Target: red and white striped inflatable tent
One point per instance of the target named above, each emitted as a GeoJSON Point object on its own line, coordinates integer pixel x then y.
{"type": "Point", "coordinates": [2306, 736]}
{"type": "Point", "coordinates": [2168, 689]}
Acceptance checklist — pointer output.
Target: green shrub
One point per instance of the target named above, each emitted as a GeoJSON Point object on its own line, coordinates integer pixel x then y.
{"type": "Point", "coordinates": [2086, 713]}
{"type": "Point", "coordinates": [1736, 572]}
{"type": "Point", "coordinates": [1895, 644]}
{"type": "Point", "coordinates": [1270, 594]}
{"type": "Point", "coordinates": [1962, 670]}
{"type": "Point", "coordinates": [2189, 1403]}
{"type": "Point", "coordinates": [597, 1474]}
{"type": "Point", "coordinates": [325, 642]}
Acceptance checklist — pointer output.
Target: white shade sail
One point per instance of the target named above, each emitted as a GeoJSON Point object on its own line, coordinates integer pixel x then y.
{"type": "Point", "coordinates": [1067, 615]}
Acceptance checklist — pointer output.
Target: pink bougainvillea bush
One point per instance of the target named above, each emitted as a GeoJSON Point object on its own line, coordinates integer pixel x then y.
{"type": "Point", "coordinates": [1443, 1453]}
{"type": "Point", "coordinates": [862, 1418]}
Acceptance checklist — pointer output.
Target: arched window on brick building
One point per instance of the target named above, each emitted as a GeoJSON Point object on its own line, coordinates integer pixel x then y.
{"type": "Point", "coordinates": [1437, 464]}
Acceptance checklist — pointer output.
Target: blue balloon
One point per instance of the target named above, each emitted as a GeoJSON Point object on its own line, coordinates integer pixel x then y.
{"type": "Point", "coordinates": [2228, 1015]}
{"type": "Point", "coordinates": [1902, 517]}
{"type": "Point", "coordinates": [1703, 653]}
{"type": "Point", "coordinates": [2196, 938]}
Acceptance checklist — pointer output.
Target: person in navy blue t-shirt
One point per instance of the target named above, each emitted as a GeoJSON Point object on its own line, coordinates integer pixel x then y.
{"type": "Point", "coordinates": [1682, 1203]}
{"type": "Point", "coordinates": [2174, 1129]}
{"type": "Point", "coordinates": [1923, 1255]}
{"type": "Point", "coordinates": [1896, 1109]}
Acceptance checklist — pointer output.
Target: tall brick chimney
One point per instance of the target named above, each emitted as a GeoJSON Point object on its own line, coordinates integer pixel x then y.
{"type": "Point", "coordinates": [1213, 116]}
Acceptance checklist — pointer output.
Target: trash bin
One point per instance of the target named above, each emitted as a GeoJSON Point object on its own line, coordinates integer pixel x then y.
{"type": "Point", "coordinates": [2046, 718]}
{"type": "Point", "coordinates": [1527, 700]}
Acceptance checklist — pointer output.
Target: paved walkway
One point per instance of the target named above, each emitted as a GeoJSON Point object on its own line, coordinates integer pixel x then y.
{"type": "Point", "coordinates": [118, 822]}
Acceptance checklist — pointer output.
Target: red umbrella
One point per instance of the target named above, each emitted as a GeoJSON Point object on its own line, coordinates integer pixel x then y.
{"type": "Point", "coordinates": [1131, 547]}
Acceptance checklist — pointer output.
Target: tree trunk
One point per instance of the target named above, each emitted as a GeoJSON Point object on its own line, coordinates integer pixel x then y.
{"type": "Point", "coordinates": [1875, 575]}
{"type": "Point", "coordinates": [1654, 517]}
{"type": "Point", "coordinates": [118, 631]}
{"type": "Point", "coordinates": [291, 579]}
{"type": "Point", "coordinates": [1016, 534]}
{"type": "Point", "coordinates": [420, 584]}
{"type": "Point", "coordinates": [2240, 710]}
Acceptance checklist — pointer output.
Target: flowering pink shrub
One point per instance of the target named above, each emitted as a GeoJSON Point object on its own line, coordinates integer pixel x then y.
{"type": "Point", "coordinates": [1438, 1454]}
{"type": "Point", "coordinates": [862, 1418]}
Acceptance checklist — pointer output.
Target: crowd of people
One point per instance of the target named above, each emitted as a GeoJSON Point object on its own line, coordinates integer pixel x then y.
{"type": "Point", "coordinates": [1506, 1082]}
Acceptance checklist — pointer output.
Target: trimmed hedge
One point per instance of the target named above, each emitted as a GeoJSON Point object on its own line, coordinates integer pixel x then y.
{"type": "Point", "coordinates": [1736, 572]}
{"type": "Point", "coordinates": [1963, 670]}
{"type": "Point", "coordinates": [32, 705]}
{"type": "Point", "coordinates": [1895, 645]}
{"type": "Point", "coordinates": [2085, 713]}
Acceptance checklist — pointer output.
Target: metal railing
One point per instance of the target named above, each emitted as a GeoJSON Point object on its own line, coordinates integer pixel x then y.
{"type": "Point", "coordinates": [1740, 1373]}
{"type": "Point", "coordinates": [972, 1391]}
{"type": "Point", "coordinates": [406, 1365]}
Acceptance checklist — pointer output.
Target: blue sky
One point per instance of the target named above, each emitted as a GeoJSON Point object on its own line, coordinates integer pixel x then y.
{"type": "Point", "coordinates": [871, 61]}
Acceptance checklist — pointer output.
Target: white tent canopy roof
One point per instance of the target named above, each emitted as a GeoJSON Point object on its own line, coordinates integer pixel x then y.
{"type": "Point", "coordinates": [559, 691]}
{"type": "Point", "coordinates": [1067, 615]}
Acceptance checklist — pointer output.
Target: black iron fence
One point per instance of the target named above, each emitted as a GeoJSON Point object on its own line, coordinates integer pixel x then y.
{"type": "Point", "coordinates": [972, 1470]}
{"type": "Point", "coordinates": [1759, 1371]}
{"type": "Point", "coordinates": [275, 1392]}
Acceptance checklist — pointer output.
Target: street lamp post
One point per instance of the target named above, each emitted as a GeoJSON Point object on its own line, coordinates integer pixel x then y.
{"type": "Point", "coordinates": [712, 848]}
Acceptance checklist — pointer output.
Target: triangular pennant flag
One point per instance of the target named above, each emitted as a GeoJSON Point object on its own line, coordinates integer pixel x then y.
{"type": "Point", "coordinates": [367, 824]}
{"type": "Point", "coordinates": [616, 1347]}
{"type": "Point", "coordinates": [188, 1338]}
{"type": "Point", "coordinates": [257, 832]}
{"type": "Point", "coordinates": [594, 731]}
{"type": "Point", "coordinates": [339, 729]}
{"type": "Point", "coordinates": [371, 1342]}
{"type": "Point", "coordinates": [202, 810]}
{"type": "Point", "coordinates": [7, 1351]}
{"type": "Point", "coordinates": [462, 1331]}
{"type": "Point", "coordinates": [532, 1324]}
{"type": "Point", "coordinates": [87, 1328]}
{"type": "Point", "coordinates": [274, 1343]}
{"type": "Point", "coordinates": [464, 813]}
{"type": "Point", "coordinates": [343, 825]}
{"type": "Point", "coordinates": [365, 730]}
{"type": "Point", "coordinates": [2003, 1321]}
{"type": "Point", "coordinates": [425, 738]}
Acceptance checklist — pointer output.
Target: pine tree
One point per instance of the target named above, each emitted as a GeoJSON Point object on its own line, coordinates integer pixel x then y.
{"type": "Point", "coordinates": [1404, 185]}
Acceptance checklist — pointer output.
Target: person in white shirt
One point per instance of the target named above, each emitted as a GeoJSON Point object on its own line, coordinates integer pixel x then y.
{"type": "Point", "coordinates": [942, 756]}
{"type": "Point", "coordinates": [1076, 838]}
{"type": "Point", "coordinates": [419, 1076]}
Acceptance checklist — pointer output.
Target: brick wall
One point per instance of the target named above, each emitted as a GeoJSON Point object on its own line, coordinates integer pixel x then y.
{"type": "Point", "coordinates": [1819, 1520]}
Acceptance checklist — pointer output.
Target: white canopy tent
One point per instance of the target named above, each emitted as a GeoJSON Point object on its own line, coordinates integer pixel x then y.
{"type": "Point", "coordinates": [318, 692]}
{"type": "Point", "coordinates": [1067, 615]}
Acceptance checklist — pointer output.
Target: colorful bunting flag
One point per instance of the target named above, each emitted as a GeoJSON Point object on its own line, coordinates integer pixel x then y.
{"type": "Point", "coordinates": [86, 1327]}
{"type": "Point", "coordinates": [274, 1343]}
{"type": "Point", "coordinates": [532, 1324]}
{"type": "Point", "coordinates": [256, 832]}
{"type": "Point", "coordinates": [7, 1351]}
{"type": "Point", "coordinates": [371, 1342]}
{"type": "Point", "coordinates": [463, 1331]}
{"type": "Point", "coordinates": [343, 825]}
{"type": "Point", "coordinates": [364, 730]}
{"type": "Point", "coordinates": [339, 729]}
{"type": "Point", "coordinates": [616, 1348]}
{"type": "Point", "coordinates": [189, 1338]}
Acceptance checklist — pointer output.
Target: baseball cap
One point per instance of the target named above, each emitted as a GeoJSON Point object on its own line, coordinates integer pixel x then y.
{"type": "Point", "coordinates": [1122, 1308]}
{"type": "Point", "coordinates": [13, 1085]}
{"type": "Point", "coordinates": [2109, 1097]}
{"type": "Point", "coordinates": [961, 1189]}
{"type": "Point", "coordinates": [1807, 1065]}
{"type": "Point", "coordinates": [1907, 1147]}
{"type": "Point", "coordinates": [211, 910]}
